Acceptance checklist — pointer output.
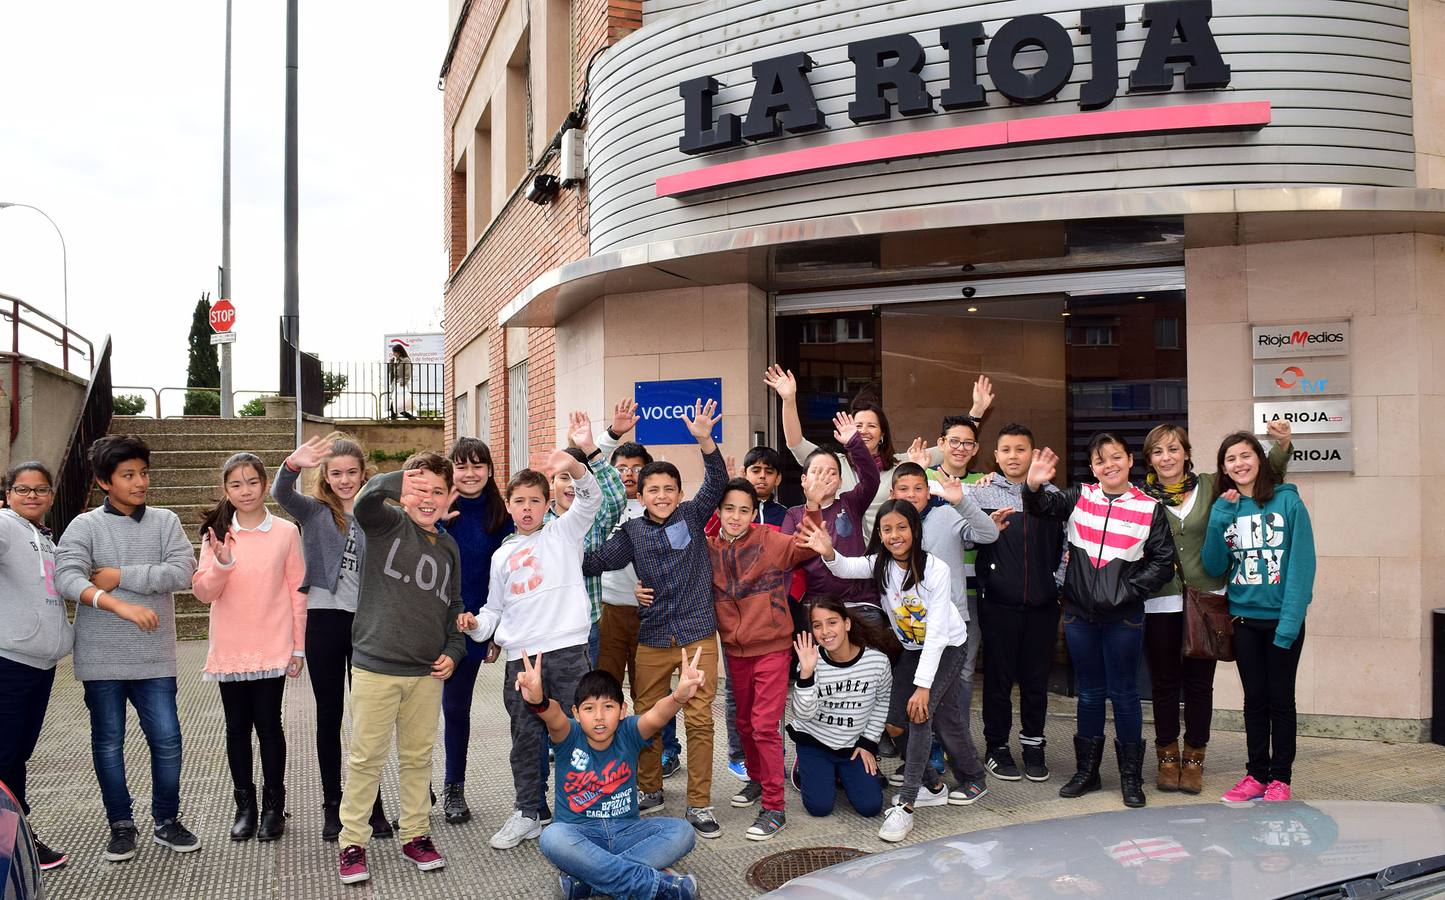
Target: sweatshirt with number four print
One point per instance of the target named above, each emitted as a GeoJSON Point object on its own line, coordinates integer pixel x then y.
{"type": "Point", "coordinates": [923, 615]}
{"type": "Point", "coordinates": [410, 596]}
{"type": "Point", "coordinates": [537, 600]}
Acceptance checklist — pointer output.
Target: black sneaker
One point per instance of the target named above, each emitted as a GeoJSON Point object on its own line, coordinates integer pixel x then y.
{"type": "Point", "coordinates": [544, 815]}
{"type": "Point", "coordinates": [703, 821]}
{"type": "Point", "coordinates": [649, 801]}
{"type": "Point", "coordinates": [748, 794]}
{"type": "Point", "coordinates": [122, 841]}
{"type": "Point", "coordinates": [671, 764]}
{"type": "Point", "coordinates": [768, 823]}
{"type": "Point", "coordinates": [454, 804]}
{"type": "Point", "coordinates": [1000, 764]}
{"type": "Point", "coordinates": [171, 833]}
{"type": "Point", "coordinates": [49, 858]}
{"type": "Point", "coordinates": [1035, 769]}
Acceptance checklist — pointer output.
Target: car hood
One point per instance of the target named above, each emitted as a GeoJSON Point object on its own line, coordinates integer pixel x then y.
{"type": "Point", "coordinates": [1252, 850]}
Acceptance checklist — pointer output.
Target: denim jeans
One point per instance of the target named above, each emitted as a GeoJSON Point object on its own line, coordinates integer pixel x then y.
{"type": "Point", "coordinates": [618, 857]}
{"type": "Point", "coordinates": [1105, 656]}
{"type": "Point", "coordinates": [154, 700]}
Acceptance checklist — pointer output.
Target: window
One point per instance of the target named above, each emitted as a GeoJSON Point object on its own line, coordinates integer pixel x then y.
{"type": "Point", "coordinates": [1098, 336]}
{"type": "Point", "coordinates": [483, 428]}
{"type": "Point", "coordinates": [461, 409]}
{"type": "Point", "coordinates": [517, 444]}
{"type": "Point", "coordinates": [855, 330]}
{"type": "Point", "coordinates": [1166, 333]}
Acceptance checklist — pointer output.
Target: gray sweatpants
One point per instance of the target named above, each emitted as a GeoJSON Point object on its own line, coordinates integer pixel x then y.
{"type": "Point", "coordinates": [948, 713]}
{"type": "Point", "coordinates": [561, 670]}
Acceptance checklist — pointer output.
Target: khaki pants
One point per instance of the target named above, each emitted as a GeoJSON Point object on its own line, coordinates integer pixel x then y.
{"type": "Point", "coordinates": [655, 668]}
{"type": "Point", "coordinates": [380, 704]}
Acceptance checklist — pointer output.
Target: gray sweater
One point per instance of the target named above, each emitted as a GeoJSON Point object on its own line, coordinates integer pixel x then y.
{"type": "Point", "coordinates": [154, 559]}
{"type": "Point", "coordinates": [34, 630]}
{"type": "Point", "coordinates": [411, 590]}
{"type": "Point", "coordinates": [950, 530]}
{"type": "Point", "coordinates": [322, 543]}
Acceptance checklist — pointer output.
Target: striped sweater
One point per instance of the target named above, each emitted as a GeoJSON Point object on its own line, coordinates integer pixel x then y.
{"type": "Point", "coordinates": [844, 705]}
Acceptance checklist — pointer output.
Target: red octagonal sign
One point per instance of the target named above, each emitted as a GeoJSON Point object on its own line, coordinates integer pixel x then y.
{"type": "Point", "coordinates": [223, 315]}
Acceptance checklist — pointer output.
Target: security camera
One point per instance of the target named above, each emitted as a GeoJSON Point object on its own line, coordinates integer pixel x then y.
{"type": "Point", "coordinates": [543, 189]}
{"type": "Point", "coordinates": [970, 291]}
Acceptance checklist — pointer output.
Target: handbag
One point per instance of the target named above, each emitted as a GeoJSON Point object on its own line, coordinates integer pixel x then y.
{"type": "Point", "coordinates": [1208, 628]}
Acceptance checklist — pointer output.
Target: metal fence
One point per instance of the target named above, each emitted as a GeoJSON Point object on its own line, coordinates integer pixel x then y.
{"type": "Point", "coordinates": [384, 390]}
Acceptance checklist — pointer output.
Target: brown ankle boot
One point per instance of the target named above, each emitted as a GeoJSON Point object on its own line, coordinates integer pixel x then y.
{"type": "Point", "coordinates": [1168, 767]}
{"type": "Point", "coordinates": [1191, 773]}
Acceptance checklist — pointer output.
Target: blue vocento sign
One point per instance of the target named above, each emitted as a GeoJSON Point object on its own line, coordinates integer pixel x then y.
{"type": "Point", "coordinates": [661, 406]}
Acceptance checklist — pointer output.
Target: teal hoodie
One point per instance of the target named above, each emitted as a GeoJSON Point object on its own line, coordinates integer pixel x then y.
{"type": "Point", "coordinates": [1269, 554]}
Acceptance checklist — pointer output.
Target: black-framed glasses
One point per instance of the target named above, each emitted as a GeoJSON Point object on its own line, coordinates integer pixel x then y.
{"type": "Point", "coordinates": [25, 490]}
{"type": "Point", "coordinates": [959, 444]}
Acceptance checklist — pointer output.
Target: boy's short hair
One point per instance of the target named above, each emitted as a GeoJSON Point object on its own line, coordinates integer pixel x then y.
{"type": "Point", "coordinates": [631, 450]}
{"type": "Point", "coordinates": [905, 469]}
{"type": "Point", "coordinates": [597, 684]}
{"type": "Point", "coordinates": [662, 467]}
{"type": "Point", "coordinates": [766, 456]}
{"type": "Point", "coordinates": [1014, 428]}
{"type": "Point", "coordinates": [739, 484]}
{"type": "Point", "coordinates": [954, 421]}
{"type": "Point", "coordinates": [576, 454]}
{"type": "Point", "coordinates": [821, 451]}
{"type": "Point", "coordinates": [530, 478]}
{"type": "Point", "coordinates": [109, 452]}
{"type": "Point", "coordinates": [431, 462]}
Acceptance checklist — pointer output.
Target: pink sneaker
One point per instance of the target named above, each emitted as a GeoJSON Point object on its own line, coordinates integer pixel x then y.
{"type": "Point", "coordinates": [352, 865]}
{"type": "Point", "coordinates": [1277, 790]}
{"type": "Point", "coordinates": [420, 851]}
{"type": "Point", "coordinates": [1247, 789]}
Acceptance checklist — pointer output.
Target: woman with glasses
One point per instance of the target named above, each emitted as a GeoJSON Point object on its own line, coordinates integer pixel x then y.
{"type": "Point", "coordinates": [34, 631]}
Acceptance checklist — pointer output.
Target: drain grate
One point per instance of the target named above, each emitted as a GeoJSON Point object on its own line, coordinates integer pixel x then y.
{"type": "Point", "coordinates": [772, 872]}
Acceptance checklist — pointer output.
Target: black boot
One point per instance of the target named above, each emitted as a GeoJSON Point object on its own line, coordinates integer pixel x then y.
{"type": "Point", "coordinates": [1131, 772]}
{"type": "Point", "coordinates": [380, 825]}
{"type": "Point", "coordinates": [244, 827]}
{"type": "Point", "coordinates": [1088, 754]}
{"type": "Point", "coordinates": [273, 814]}
{"type": "Point", "coordinates": [455, 804]}
{"type": "Point", "coordinates": [331, 820]}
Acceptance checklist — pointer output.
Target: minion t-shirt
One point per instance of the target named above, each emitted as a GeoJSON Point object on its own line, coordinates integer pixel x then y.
{"type": "Point", "coordinates": [597, 784]}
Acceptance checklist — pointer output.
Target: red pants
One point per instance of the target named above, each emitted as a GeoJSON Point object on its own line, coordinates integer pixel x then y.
{"type": "Point", "coordinates": [760, 687]}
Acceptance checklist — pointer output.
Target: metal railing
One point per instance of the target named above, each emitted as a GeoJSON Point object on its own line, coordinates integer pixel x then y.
{"type": "Point", "coordinates": [153, 408]}
{"type": "Point", "coordinates": [22, 315]}
{"type": "Point", "coordinates": [384, 390]}
{"type": "Point", "coordinates": [72, 479]}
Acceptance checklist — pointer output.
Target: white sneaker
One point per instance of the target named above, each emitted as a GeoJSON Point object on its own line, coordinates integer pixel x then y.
{"type": "Point", "coordinates": [926, 797]}
{"type": "Point", "coordinates": [515, 830]}
{"type": "Point", "coordinates": [897, 823]}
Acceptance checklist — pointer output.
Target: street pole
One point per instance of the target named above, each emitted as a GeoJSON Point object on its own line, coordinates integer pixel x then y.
{"type": "Point", "coordinates": [291, 311]}
{"type": "Point", "coordinates": [64, 280]}
{"type": "Point", "coordinates": [227, 400]}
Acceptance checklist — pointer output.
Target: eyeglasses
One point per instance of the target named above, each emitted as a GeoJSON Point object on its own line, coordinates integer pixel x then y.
{"type": "Point", "coordinates": [956, 444]}
{"type": "Point", "coordinates": [626, 469]}
{"type": "Point", "coordinates": [25, 490]}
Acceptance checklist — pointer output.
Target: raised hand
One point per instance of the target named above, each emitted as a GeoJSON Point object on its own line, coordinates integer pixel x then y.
{"type": "Point", "coordinates": [918, 452]}
{"type": "Point", "coordinates": [225, 551]}
{"type": "Point", "coordinates": [843, 428]}
{"type": "Point", "coordinates": [731, 463]}
{"type": "Point", "coordinates": [562, 461]}
{"type": "Point", "coordinates": [982, 397]}
{"type": "Point", "coordinates": [704, 417]}
{"type": "Point", "coordinates": [310, 454]}
{"type": "Point", "coordinates": [624, 417]}
{"type": "Point", "coordinates": [782, 382]}
{"type": "Point", "coordinates": [1000, 517]}
{"type": "Point", "coordinates": [816, 487]}
{"type": "Point", "coordinates": [579, 431]}
{"type": "Point", "coordinates": [816, 538]}
{"type": "Point", "coordinates": [1280, 432]}
{"type": "Point", "coordinates": [1041, 470]}
{"type": "Point", "coordinates": [807, 654]}
{"type": "Point", "coordinates": [453, 512]}
{"type": "Point", "coordinates": [952, 488]}
{"type": "Point", "coordinates": [529, 680]}
{"type": "Point", "coordinates": [689, 677]}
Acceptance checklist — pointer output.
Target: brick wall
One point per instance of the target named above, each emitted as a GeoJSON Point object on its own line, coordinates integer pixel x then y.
{"type": "Point", "coordinates": [523, 242]}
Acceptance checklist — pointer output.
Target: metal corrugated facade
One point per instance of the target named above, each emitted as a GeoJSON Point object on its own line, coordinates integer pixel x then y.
{"type": "Point", "coordinates": [1336, 71]}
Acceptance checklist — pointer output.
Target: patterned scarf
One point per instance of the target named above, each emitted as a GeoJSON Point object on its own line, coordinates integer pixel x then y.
{"type": "Point", "coordinates": [1170, 494]}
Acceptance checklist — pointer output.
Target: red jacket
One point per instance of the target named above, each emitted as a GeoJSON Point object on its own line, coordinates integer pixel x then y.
{"type": "Point", "coordinates": [750, 578]}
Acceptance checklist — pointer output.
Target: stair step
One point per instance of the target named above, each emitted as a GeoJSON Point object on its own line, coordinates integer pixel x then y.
{"type": "Point", "coordinates": [146, 425]}
{"type": "Point", "coordinates": [192, 627]}
{"type": "Point", "coordinates": [229, 443]}
{"type": "Point", "coordinates": [210, 460]}
{"type": "Point", "coordinates": [188, 477]}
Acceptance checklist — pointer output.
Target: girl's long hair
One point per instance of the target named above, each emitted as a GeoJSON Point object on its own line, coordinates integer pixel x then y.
{"type": "Point", "coordinates": [218, 519]}
{"type": "Point", "coordinates": [863, 633]}
{"type": "Point", "coordinates": [882, 558]}
{"type": "Point", "coordinates": [342, 444]}
{"type": "Point", "coordinates": [1264, 483]}
{"type": "Point", "coordinates": [475, 451]}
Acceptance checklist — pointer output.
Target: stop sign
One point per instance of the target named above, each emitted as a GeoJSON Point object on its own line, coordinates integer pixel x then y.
{"type": "Point", "coordinates": [223, 315]}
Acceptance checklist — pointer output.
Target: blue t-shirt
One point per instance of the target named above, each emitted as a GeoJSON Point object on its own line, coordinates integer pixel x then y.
{"type": "Point", "coordinates": [597, 784]}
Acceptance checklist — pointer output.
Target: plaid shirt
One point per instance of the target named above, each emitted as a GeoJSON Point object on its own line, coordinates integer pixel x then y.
{"type": "Point", "coordinates": [671, 558]}
{"type": "Point", "coordinates": [614, 501]}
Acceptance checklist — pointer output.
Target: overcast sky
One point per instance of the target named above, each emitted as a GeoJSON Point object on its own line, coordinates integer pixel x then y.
{"type": "Point", "coordinates": [110, 121]}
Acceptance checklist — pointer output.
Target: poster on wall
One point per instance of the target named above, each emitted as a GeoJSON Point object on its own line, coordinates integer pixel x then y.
{"type": "Point", "coordinates": [661, 406]}
{"type": "Point", "coordinates": [426, 347]}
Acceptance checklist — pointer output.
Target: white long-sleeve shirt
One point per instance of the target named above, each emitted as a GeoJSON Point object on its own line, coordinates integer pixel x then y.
{"type": "Point", "coordinates": [537, 600]}
{"type": "Point", "coordinates": [923, 615]}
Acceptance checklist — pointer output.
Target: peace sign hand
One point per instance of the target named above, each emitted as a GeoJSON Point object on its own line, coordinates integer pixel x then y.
{"type": "Point", "coordinates": [689, 678]}
{"type": "Point", "coordinates": [529, 680]}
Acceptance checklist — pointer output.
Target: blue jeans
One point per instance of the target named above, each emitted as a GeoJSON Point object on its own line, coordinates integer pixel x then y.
{"type": "Point", "coordinates": [820, 771]}
{"type": "Point", "coordinates": [670, 743]}
{"type": "Point", "coordinates": [154, 700]}
{"type": "Point", "coordinates": [1105, 656]}
{"type": "Point", "coordinates": [618, 857]}
{"type": "Point", "coordinates": [592, 638]}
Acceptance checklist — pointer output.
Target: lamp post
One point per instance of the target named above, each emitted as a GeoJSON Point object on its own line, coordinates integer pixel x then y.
{"type": "Point", "coordinates": [64, 264]}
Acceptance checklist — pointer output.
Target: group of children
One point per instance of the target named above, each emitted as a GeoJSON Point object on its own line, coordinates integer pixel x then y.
{"type": "Point", "coordinates": [855, 618]}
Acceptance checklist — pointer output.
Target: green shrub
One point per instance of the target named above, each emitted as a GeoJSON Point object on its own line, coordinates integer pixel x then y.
{"type": "Point", "coordinates": [128, 404]}
{"type": "Point", "coordinates": [256, 406]}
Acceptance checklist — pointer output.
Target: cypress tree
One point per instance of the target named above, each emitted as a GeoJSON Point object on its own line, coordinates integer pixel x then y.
{"type": "Point", "coordinates": [203, 368]}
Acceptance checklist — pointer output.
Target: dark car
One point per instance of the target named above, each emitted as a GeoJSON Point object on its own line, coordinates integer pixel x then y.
{"type": "Point", "coordinates": [19, 867]}
{"type": "Point", "coordinates": [1251, 850]}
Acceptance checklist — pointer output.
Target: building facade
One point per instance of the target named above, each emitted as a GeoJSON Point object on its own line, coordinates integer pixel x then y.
{"type": "Point", "coordinates": [1208, 213]}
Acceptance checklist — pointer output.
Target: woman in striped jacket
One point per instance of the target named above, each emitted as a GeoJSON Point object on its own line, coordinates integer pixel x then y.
{"type": "Point", "coordinates": [1120, 552]}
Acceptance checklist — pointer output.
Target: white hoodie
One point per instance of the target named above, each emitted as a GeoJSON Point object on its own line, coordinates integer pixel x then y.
{"type": "Point", "coordinates": [537, 600]}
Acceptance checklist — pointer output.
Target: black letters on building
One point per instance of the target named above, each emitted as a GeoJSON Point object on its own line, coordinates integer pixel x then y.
{"type": "Point", "coordinates": [782, 92]}
{"type": "Point", "coordinates": [699, 134]}
{"type": "Point", "coordinates": [1019, 34]}
{"type": "Point", "coordinates": [1102, 25]}
{"type": "Point", "coordinates": [894, 62]}
{"type": "Point", "coordinates": [1178, 32]}
{"type": "Point", "coordinates": [963, 91]}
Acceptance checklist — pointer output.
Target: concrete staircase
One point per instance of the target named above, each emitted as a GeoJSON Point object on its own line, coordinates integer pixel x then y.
{"type": "Point", "coordinates": [186, 458]}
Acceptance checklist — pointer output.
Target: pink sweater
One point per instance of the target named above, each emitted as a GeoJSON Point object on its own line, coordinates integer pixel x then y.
{"type": "Point", "coordinates": [258, 613]}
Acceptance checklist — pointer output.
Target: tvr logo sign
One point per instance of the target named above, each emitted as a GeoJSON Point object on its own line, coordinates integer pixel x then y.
{"type": "Point", "coordinates": [1309, 378]}
{"type": "Point", "coordinates": [1293, 379]}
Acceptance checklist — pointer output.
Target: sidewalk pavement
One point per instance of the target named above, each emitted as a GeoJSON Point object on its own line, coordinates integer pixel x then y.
{"type": "Point", "coordinates": [68, 813]}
